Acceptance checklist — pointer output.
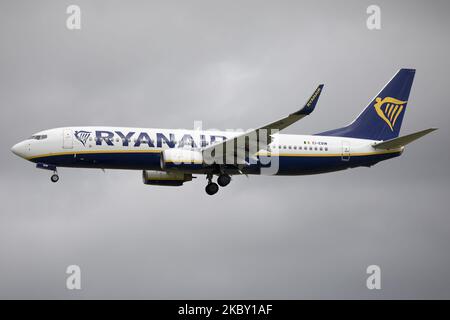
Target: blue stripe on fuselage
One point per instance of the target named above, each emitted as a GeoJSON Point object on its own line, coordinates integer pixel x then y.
{"type": "Point", "coordinates": [288, 165]}
{"type": "Point", "coordinates": [300, 165]}
{"type": "Point", "coordinates": [120, 160]}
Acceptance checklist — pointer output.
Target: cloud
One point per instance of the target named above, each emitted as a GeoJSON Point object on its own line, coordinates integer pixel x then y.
{"type": "Point", "coordinates": [166, 64]}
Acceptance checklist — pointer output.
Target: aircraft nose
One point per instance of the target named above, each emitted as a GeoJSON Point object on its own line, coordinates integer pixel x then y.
{"type": "Point", "coordinates": [19, 149]}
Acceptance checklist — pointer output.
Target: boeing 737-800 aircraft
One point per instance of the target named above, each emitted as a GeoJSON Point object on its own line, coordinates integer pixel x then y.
{"type": "Point", "coordinates": [171, 157]}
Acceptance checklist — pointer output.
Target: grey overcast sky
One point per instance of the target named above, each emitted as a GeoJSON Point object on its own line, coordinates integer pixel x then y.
{"type": "Point", "coordinates": [231, 64]}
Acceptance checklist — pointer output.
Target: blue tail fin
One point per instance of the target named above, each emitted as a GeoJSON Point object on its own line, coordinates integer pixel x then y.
{"type": "Point", "coordinates": [382, 118]}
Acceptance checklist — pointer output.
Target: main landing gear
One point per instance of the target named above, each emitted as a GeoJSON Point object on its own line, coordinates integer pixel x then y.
{"type": "Point", "coordinates": [223, 180]}
{"type": "Point", "coordinates": [212, 187]}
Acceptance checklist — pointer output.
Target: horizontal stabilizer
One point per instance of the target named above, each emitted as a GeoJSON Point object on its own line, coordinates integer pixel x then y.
{"type": "Point", "coordinates": [402, 141]}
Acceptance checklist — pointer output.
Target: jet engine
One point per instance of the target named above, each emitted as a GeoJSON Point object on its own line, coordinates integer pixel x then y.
{"type": "Point", "coordinates": [181, 159]}
{"type": "Point", "coordinates": [161, 178]}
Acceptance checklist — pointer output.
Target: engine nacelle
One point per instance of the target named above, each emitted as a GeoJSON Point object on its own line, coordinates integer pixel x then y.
{"type": "Point", "coordinates": [161, 178]}
{"type": "Point", "coordinates": [181, 159]}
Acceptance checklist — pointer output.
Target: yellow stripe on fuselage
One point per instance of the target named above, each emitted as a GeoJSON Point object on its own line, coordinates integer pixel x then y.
{"type": "Point", "coordinates": [91, 152]}
{"type": "Point", "coordinates": [184, 161]}
{"type": "Point", "coordinates": [357, 154]}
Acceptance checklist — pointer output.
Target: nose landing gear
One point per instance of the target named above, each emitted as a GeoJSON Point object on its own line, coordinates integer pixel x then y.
{"type": "Point", "coordinates": [54, 178]}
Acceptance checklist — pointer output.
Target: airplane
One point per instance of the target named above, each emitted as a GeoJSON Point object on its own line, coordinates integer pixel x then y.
{"type": "Point", "coordinates": [171, 157]}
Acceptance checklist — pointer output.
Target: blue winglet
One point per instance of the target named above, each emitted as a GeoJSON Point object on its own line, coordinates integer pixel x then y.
{"type": "Point", "coordinates": [311, 104]}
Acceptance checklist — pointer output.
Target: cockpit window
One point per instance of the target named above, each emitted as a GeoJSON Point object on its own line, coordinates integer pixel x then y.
{"type": "Point", "coordinates": [39, 137]}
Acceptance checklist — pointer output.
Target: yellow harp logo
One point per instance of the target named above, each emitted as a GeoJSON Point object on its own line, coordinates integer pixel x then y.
{"type": "Point", "coordinates": [389, 109]}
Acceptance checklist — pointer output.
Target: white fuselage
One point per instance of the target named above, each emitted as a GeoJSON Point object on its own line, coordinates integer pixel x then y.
{"type": "Point", "coordinates": [139, 148]}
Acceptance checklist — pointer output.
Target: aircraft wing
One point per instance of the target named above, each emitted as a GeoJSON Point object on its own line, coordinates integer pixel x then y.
{"type": "Point", "coordinates": [252, 141]}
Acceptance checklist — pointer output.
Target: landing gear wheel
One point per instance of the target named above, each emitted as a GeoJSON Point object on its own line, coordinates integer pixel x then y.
{"type": "Point", "coordinates": [223, 180]}
{"type": "Point", "coordinates": [211, 188]}
{"type": "Point", "coordinates": [54, 178]}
